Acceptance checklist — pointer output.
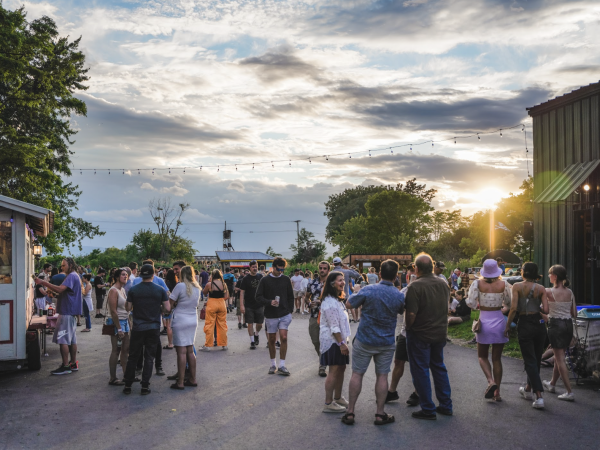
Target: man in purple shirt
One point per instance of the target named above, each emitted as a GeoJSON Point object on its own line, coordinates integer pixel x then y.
{"type": "Point", "coordinates": [68, 305]}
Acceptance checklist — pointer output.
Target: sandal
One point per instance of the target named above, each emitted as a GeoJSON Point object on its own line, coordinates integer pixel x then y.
{"type": "Point", "coordinates": [347, 419]}
{"type": "Point", "coordinates": [87, 330]}
{"type": "Point", "coordinates": [116, 382]}
{"type": "Point", "coordinates": [385, 419]}
{"type": "Point", "coordinates": [166, 347]}
{"type": "Point", "coordinates": [489, 392]}
{"type": "Point", "coordinates": [497, 398]}
{"type": "Point", "coordinates": [187, 383]}
{"type": "Point", "coordinates": [179, 388]}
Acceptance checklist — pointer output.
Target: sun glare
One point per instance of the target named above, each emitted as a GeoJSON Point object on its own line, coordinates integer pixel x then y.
{"type": "Point", "coordinates": [491, 195]}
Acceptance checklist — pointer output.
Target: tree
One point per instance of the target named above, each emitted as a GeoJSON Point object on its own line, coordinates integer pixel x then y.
{"type": "Point", "coordinates": [395, 222]}
{"type": "Point", "coordinates": [148, 245]}
{"type": "Point", "coordinates": [308, 248]}
{"type": "Point", "coordinates": [272, 252]}
{"type": "Point", "coordinates": [168, 221]}
{"type": "Point", "coordinates": [39, 73]}
{"type": "Point", "coordinates": [351, 203]}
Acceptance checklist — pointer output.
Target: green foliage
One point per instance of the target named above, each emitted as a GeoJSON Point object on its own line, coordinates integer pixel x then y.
{"type": "Point", "coordinates": [272, 252]}
{"type": "Point", "coordinates": [395, 222]}
{"type": "Point", "coordinates": [39, 72]}
{"type": "Point", "coordinates": [307, 249]}
{"type": "Point", "coordinates": [352, 203]}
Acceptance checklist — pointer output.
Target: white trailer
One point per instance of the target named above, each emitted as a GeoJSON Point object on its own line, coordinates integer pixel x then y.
{"type": "Point", "coordinates": [20, 334]}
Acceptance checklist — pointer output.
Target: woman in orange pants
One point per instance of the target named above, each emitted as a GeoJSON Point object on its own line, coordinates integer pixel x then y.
{"type": "Point", "coordinates": [216, 311]}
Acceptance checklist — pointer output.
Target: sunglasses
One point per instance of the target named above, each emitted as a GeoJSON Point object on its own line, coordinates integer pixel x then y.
{"type": "Point", "coordinates": [280, 269]}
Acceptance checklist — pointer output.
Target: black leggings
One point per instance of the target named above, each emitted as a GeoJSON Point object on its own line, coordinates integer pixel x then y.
{"type": "Point", "coordinates": [532, 337]}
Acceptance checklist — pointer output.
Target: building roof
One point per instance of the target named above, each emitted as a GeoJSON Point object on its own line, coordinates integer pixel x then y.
{"type": "Point", "coordinates": [244, 256]}
{"type": "Point", "coordinates": [567, 181]}
{"type": "Point", "coordinates": [582, 92]}
{"type": "Point", "coordinates": [41, 220]}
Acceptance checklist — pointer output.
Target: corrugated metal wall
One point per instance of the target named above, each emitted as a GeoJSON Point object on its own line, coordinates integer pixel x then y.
{"type": "Point", "coordinates": [562, 136]}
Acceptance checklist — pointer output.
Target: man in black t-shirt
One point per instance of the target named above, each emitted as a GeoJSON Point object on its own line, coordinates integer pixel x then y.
{"type": "Point", "coordinates": [99, 288]}
{"type": "Point", "coordinates": [253, 312]}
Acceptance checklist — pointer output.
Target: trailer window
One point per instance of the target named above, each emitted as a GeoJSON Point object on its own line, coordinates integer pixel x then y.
{"type": "Point", "coordinates": [5, 252]}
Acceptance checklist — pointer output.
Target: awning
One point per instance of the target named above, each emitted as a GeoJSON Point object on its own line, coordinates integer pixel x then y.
{"type": "Point", "coordinates": [567, 181]}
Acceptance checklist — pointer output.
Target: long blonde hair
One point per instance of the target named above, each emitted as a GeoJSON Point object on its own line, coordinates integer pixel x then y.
{"type": "Point", "coordinates": [186, 275]}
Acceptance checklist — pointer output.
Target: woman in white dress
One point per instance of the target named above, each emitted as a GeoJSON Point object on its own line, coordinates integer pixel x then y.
{"type": "Point", "coordinates": [184, 302]}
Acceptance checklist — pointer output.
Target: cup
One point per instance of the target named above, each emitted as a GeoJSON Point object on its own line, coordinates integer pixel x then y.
{"type": "Point", "coordinates": [277, 300]}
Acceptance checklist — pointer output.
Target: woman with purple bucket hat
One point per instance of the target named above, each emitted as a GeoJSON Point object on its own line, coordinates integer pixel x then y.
{"type": "Point", "coordinates": [488, 294]}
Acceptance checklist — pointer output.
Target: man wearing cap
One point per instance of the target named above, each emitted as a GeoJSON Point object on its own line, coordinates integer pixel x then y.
{"type": "Point", "coordinates": [148, 302]}
{"type": "Point", "coordinates": [438, 269]}
{"type": "Point", "coordinates": [501, 265]}
{"type": "Point", "coordinates": [348, 274]}
{"type": "Point", "coordinates": [99, 287]}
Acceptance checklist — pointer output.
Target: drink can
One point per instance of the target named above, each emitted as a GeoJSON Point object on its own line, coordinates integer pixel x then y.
{"type": "Point", "coordinates": [277, 299]}
{"type": "Point", "coordinates": [119, 342]}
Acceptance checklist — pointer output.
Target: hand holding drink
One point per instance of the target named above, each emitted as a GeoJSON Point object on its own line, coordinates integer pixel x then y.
{"type": "Point", "coordinates": [276, 301]}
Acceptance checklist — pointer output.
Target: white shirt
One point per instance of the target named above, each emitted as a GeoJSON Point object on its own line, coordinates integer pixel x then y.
{"type": "Point", "coordinates": [297, 282]}
{"type": "Point", "coordinates": [334, 319]}
{"type": "Point", "coordinates": [304, 284]}
{"type": "Point", "coordinates": [452, 306]}
{"type": "Point", "coordinates": [486, 299]}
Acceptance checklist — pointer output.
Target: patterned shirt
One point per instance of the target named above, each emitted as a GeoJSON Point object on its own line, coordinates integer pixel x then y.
{"type": "Point", "coordinates": [315, 287]}
{"type": "Point", "coordinates": [381, 303]}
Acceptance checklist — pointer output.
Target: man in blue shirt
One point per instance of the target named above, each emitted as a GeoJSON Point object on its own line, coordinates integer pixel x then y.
{"type": "Point", "coordinates": [376, 337]}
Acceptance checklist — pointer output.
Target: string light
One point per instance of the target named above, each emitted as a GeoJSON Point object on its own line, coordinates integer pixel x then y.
{"type": "Point", "coordinates": [218, 168]}
{"type": "Point", "coordinates": [94, 171]}
{"type": "Point", "coordinates": [123, 171]}
{"type": "Point", "coordinates": [326, 158]}
{"type": "Point", "coordinates": [109, 171]}
{"type": "Point", "coordinates": [523, 129]}
{"type": "Point", "coordinates": [201, 168]}
{"type": "Point", "coordinates": [478, 137]}
{"type": "Point", "coordinates": [391, 151]}
{"type": "Point", "coordinates": [500, 132]}
{"type": "Point", "coordinates": [272, 165]}
{"type": "Point", "coordinates": [290, 163]}
{"type": "Point", "coordinates": [169, 170]}
{"type": "Point", "coordinates": [411, 147]}
{"type": "Point", "coordinates": [349, 155]}
{"type": "Point", "coordinates": [236, 167]}
{"type": "Point", "coordinates": [184, 170]}
{"type": "Point", "coordinates": [310, 162]}
{"type": "Point", "coordinates": [139, 171]}
{"type": "Point", "coordinates": [455, 140]}
{"type": "Point", "coordinates": [80, 172]}
{"type": "Point", "coordinates": [152, 171]}
{"type": "Point", "coordinates": [432, 143]}
{"type": "Point", "coordinates": [252, 166]}
{"type": "Point", "coordinates": [369, 153]}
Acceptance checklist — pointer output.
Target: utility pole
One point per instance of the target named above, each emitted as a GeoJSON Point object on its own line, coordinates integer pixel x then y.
{"type": "Point", "coordinates": [298, 234]}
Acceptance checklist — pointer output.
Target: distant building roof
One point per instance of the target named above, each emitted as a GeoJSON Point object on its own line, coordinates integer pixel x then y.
{"type": "Point", "coordinates": [577, 94]}
{"type": "Point", "coordinates": [243, 256]}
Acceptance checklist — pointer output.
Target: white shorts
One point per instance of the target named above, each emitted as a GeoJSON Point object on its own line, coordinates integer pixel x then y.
{"type": "Point", "coordinates": [299, 293]}
{"type": "Point", "coordinates": [282, 323]}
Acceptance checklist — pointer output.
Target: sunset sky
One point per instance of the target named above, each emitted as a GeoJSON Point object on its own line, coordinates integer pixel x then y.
{"type": "Point", "coordinates": [188, 83]}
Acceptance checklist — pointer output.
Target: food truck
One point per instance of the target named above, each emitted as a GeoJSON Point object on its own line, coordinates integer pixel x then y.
{"type": "Point", "coordinates": [22, 334]}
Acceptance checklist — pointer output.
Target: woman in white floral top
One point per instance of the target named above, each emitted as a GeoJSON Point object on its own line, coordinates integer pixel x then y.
{"type": "Point", "coordinates": [334, 335]}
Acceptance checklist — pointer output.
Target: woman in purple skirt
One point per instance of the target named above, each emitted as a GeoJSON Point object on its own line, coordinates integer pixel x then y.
{"type": "Point", "coordinates": [488, 294]}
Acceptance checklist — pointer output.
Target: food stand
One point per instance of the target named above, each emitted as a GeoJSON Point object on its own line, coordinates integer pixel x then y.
{"type": "Point", "coordinates": [241, 260]}
{"type": "Point", "coordinates": [20, 337]}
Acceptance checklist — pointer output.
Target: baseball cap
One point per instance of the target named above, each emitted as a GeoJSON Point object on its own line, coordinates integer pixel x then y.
{"type": "Point", "coordinates": [440, 265]}
{"type": "Point", "coordinates": [337, 260]}
{"type": "Point", "coordinates": [147, 271]}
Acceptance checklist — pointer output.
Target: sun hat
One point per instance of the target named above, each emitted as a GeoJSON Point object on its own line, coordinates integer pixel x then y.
{"type": "Point", "coordinates": [490, 269]}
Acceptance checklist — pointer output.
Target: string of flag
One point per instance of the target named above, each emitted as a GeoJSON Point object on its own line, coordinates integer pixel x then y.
{"type": "Point", "coordinates": [319, 157]}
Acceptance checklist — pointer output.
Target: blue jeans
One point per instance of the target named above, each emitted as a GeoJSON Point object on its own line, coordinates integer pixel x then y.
{"type": "Point", "coordinates": [86, 314]}
{"type": "Point", "coordinates": [424, 357]}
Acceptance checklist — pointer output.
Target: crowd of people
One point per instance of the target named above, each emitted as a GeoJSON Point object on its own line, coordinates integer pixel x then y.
{"type": "Point", "coordinates": [140, 301]}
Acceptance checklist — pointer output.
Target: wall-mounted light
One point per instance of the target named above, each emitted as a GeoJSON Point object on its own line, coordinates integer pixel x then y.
{"type": "Point", "coordinates": [37, 250]}
{"type": "Point", "coordinates": [586, 187]}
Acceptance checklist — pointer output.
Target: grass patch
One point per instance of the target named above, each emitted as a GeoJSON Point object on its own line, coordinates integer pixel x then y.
{"type": "Point", "coordinates": [463, 334]}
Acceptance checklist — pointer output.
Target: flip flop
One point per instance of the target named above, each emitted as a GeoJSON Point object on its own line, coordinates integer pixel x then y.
{"type": "Point", "coordinates": [85, 331]}
{"type": "Point", "coordinates": [174, 386]}
{"type": "Point", "coordinates": [116, 383]}
{"type": "Point", "coordinates": [166, 347]}
{"type": "Point", "coordinates": [187, 383]}
{"type": "Point", "coordinates": [385, 419]}
{"type": "Point", "coordinates": [489, 392]}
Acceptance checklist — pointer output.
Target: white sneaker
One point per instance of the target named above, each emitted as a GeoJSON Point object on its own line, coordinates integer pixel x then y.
{"type": "Point", "coordinates": [539, 403]}
{"type": "Point", "coordinates": [569, 397]}
{"type": "Point", "coordinates": [333, 407]}
{"type": "Point", "coordinates": [526, 395]}
{"type": "Point", "coordinates": [548, 387]}
{"type": "Point", "coordinates": [204, 348]}
{"type": "Point", "coordinates": [341, 401]}
{"type": "Point", "coordinates": [224, 348]}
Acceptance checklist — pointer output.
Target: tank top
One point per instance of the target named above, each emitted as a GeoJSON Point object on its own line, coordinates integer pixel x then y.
{"type": "Point", "coordinates": [219, 293]}
{"type": "Point", "coordinates": [122, 313]}
{"type": "Point", "coordinates": [87, 296]}
{"type": "Point", "coordinates": [560, 310]}
{"type": "Point", "coordinates": [529, 304]}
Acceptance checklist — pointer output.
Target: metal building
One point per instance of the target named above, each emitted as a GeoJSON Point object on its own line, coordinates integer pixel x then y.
{"type": "Point", "coordinates": [566, 136]}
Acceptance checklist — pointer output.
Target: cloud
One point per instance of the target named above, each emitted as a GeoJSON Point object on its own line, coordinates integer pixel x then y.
{"type": "Point", "coordinates": [177, 191]}
{"type": "Point", "coordinates": [236, 185]}
{"type": "Point", "coordinates": [113, 214]}
{"type": "Point", "coordinates": [147, 187]}
{"type": "Point", "coordinates": [280, 63]}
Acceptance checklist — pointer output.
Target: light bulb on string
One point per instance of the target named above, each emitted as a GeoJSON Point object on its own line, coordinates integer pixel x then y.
{"type": "Point", "coordinates": [290, 163]}
{"type": "Point", "coordinates": [236, 167]}
{"type": "Point", "coordinates": [523, 129]}
{"type": "Point", "coordinates": [272, 165]}
{"type": "Point", "coordinates": [309, 161]}
{"type": "Point", "coordinates": [184, 170]}
{"type": "Point", "coordinates": [94, 171]}
{"type": "Point", "coordinates": [500, 132]}
{"type": "Point", "coordinates": [80, 172]}
{"type": "Point", "coordinates": [252, 166]}
{"type": "Point", "coordinates": [391, 151]}
{"type": "Point", "coordinates": [455, 140]}
{"type": "Point", "coordinates": [123, 171]}
{"type": "Point", "coordinates": [349, 156]}
{"type": "Point", "coordinates": [201, 168]}
{"type": "Point", "coordinates": [218, 168]}
{"type": "Point", "coordinates": [369, 153]}
{"type": "Point", "coordinates": [432, 143]}
{"type": "Point", "coordinates": [411, 147]}
{"type": "Point", "coordinates": [326, 158]}
{"type": "Point", "coordinates": [478, 137]}
{"type": "Point", "coordinates": [169, 170]}
{"type": "Point", "coordinates": [152, 171]}
{"type": "Point", "coordinates": [139, 171]}
{"type": "Point", "coordinates": [109, 171]}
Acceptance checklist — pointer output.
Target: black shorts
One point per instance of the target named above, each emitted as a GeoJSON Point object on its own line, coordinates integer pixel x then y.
{"type": "Point", "coordinates": [560, 333]}
{"type": "Point", "coordinates": [255, 315]}
{"type": "Point", "coordinates": [334, 357]}
{"type": "Point", "coordinates": [401, 352]}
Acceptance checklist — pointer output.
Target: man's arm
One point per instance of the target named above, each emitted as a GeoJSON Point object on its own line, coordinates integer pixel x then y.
{"type": "Point", "coordinates": [58, 289]}
{"type": "Point", "coordinates": [260, 297]}
{"type": "Point", "coordinates": [165, 303]}
{"type": "Point", "coordinates": [355, 300]}
{"type": "Point", "coordinates": [412, 307]}
{"type": "Point", "coordinates": [290, 296]}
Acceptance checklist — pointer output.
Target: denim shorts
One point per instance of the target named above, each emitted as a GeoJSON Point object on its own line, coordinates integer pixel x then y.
{"type": "Point", "coordinates": [124, 325]}
{"type": "Point", "coordinates": [281, 323]}
{"type": "Point", "coordinates": [362, 354]}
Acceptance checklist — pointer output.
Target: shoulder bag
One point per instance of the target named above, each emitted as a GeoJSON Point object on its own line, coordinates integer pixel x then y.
{"type": "Point", "coordinates": [107, 330]}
